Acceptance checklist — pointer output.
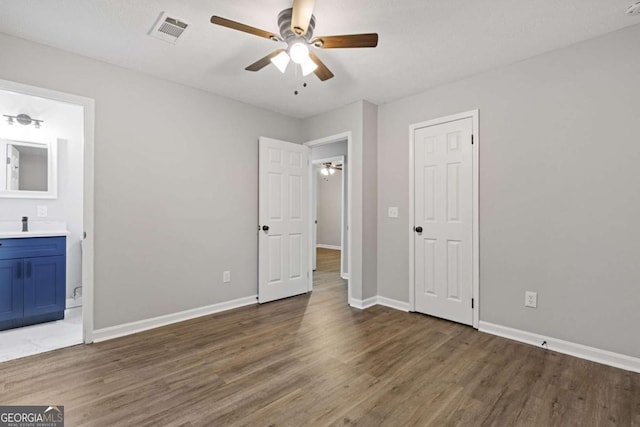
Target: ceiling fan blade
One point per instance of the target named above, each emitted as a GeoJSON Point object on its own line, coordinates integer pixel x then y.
{"type": "Point", "coordinates": [244, 28]}
{"type": "Point", "coordinates": [301, 16]}
{"type": "Point", "coordinates": [322, 71]}
{"type": "Point", "coordinates": [261, 63]}
{"type": "Point", "coordinates": [349, 40]}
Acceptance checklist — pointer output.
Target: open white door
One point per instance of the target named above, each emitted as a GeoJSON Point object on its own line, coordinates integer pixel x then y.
{"type": "Point", "coordinates": [314, 218]}
{"type": "Point", "coordinates": [284, 220]}
{"type": "Point", "coordinates": [13, 168]}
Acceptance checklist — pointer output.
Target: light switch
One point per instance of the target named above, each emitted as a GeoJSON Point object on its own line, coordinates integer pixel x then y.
{"type": "Point", "coordinates": [42, 211]}
{"type": "Point", "coordinates": [393, 212]}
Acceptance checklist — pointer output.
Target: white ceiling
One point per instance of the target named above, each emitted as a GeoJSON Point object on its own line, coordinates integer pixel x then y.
{"type": "Point", "coordinates": [423, 43]}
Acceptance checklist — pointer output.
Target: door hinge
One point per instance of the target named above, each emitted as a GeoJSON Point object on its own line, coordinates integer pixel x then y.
{"type": "Point", "coordinates": [472, 303]}
{"type": "Point", "coordinates": [471, 139]}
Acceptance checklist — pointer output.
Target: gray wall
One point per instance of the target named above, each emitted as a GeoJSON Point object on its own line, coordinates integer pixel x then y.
{"type": "Point", "coordinates": [329, 209]}
{"type": "Point", "coordinates": [164, 232]}
{"type": "Point", "coordinates": [559, 185]}
{"type": "Point", "coordinates": [348, 119]}
{"type": "Point", "coordinates": [335, 149]}
{"type": "Point", "coordinates": [370, 200]}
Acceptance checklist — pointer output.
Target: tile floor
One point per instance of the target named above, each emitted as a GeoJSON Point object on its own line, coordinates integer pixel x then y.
{"type": "Point", "coordinates": [30, 340]}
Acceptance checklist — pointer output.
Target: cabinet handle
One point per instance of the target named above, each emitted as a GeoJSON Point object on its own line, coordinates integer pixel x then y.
{"type": "Point", "coordinates": [19, 269]}
{"type": "Point", "coordinates": [28, 269]}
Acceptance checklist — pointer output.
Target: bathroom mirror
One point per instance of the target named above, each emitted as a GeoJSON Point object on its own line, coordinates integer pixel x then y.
{"type": "Point", "coordinates": [29, 170]}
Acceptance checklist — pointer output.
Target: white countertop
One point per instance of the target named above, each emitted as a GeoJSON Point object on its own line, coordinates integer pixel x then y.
{"type": "Point", "coordinates": [17, 234]}
{"type": "Point", "coordinates": [13, 229]}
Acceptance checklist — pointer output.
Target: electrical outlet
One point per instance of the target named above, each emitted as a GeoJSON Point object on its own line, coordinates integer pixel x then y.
{"type": "Point", "coordinates": [42, 211]}
{"type": "Point", "coordinates": [393, 212]}
{"type": "Point", "coordinates": [226, 277]}
{"type": "Point", "coordinates": [531, 299]}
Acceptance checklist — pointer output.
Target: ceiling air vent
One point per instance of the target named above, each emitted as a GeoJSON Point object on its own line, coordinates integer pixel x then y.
{"type": "Point", "coordinates": [168, 29]}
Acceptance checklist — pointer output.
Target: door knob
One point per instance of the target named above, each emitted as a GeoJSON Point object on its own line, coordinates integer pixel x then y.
{"type": "Point", "coordinates": [418, 229]}
{"type": "Point", "coordinates": [265, 228]}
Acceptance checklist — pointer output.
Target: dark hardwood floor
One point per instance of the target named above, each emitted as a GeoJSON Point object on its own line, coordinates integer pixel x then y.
{"type": "Point", "coordinates": [312, 360]}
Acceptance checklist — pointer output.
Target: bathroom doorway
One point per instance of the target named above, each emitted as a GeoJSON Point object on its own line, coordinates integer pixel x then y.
{"type": "Point", "coordinates": [47, 201]}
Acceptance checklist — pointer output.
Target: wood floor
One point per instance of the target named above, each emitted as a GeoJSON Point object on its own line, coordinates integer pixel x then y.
{"type": "Point", "coordinates": [312, 360]}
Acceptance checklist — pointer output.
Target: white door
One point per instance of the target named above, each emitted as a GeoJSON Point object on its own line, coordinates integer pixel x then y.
{"type": "Point", "coordinates": [284, 220]}
{"type": "Point", "coordinates": [13, 168]}
{"type": "Point", "coordinates": [314, 215]}
{"type": "Point", "coordinates": [443, 194]}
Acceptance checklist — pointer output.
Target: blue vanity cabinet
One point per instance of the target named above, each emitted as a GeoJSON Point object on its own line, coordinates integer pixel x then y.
{"type": "Point", "coordinates": [42, 291]}
{"type": "Point", "coordinates": [32, 280]}
{"type": "Point", "coordinates": [10, 289]}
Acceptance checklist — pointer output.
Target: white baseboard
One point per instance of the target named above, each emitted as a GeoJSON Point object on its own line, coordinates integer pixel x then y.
{"type": "Point", "coordinates": [363, 304]}
{"type": "Point", "coordinates": [73, 302]}
{"type": "Point", "coordinates": [334, 247]}
{"type": "Point", "coordinates": [111, 332]}
{"type": "Point", "coordinates": [393, 303]}
{"type": "Point", "coordinates": [378, 300]}
{"type": "Point", "coordinates": [605, 357]}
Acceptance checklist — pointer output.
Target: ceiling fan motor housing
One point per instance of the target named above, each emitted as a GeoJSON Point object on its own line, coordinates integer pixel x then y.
{"type": "Point", "coordinates": [284, 23]}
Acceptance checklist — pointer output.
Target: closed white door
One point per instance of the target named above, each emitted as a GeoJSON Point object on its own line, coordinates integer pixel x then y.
{"type": "Point", "coordinates": [284, 220]}
{"type": "Point", "coordinates": [13, 168]}
{"type": "Point", "coordinates": [443, 233]}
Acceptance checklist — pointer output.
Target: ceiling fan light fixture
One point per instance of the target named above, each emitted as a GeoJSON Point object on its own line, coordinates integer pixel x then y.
{"type": "Point", "coordinates": [327, 169]}
{"type": "Point", "coordinates": [281, 61]}
{"type": "Point", "coordinates": [308, 66]}
{"type": "Point", "coordinates": [299, 52]}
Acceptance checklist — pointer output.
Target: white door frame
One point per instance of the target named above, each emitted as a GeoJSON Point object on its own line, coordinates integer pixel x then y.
{"type": "Point", "coordinates": [88, 106]}
{"type": "Point", "coordinates": [342, 224]}
{"type": "Point", "coordinates": [474, 115]}
{"type": "Point", "coordinates": [324, 141]}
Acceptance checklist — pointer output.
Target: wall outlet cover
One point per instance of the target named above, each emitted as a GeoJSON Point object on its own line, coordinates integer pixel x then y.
{"type": "Point", "coordinates": [393, 212]}
{"type": "Point", "coordinates": [531, 299]}
{"type": "Point", "coordinates": [42, 211]}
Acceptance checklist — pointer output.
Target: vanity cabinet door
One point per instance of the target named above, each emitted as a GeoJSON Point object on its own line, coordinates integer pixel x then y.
{"type": "Point", "coordinates": [44, 285]}
{"type": "Point", "coordinates": [11, 275]}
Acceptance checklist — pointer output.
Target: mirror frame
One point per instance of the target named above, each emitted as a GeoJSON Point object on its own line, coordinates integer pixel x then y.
{"type": "Point", "coordinates": [52, 172]}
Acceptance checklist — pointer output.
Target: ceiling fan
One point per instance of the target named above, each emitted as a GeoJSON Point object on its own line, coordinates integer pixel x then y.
{"type": "Point", "coordinates": [296, 30]}
{"type": "Point", "coordinates": [330, 168]}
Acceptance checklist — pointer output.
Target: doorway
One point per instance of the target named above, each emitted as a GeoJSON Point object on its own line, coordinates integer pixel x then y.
{"type": "Point", "coordinates": [54, 190]}
{"type": "Point", "coordinates": [330, 199]}
{"type": "Point", "coordinates": [444, 268]}
{"type": "Point", "coordinates": [286, 249]}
